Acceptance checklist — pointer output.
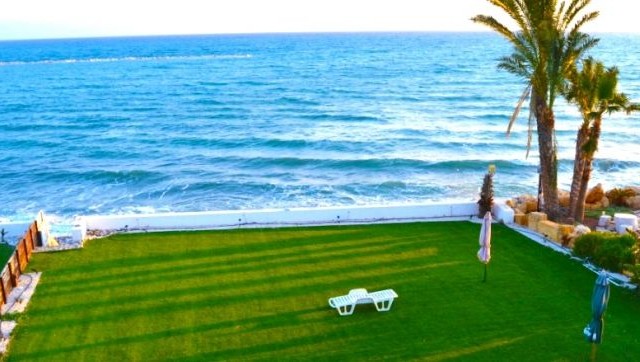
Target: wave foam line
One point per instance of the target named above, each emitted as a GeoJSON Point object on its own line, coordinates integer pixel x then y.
{"type": "Point", "coordinates": [128, 59]}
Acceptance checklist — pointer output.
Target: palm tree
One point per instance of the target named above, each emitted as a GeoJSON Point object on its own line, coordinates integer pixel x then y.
{"type": "Point", "coordinates": [593, 89]}
{"type": "Point", "coordinates": [546, 45]}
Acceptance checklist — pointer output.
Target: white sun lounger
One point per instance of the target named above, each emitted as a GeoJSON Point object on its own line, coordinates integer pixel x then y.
{"type": "Point", "coordinates": [345, 304]}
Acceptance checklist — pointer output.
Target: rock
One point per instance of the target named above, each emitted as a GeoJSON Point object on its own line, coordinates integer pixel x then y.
{"type": "Point", "coordinates": [593, 206]}
{"type": "Point", "coordinates": [563, 198]}
{"type": "Point", "coordinates": [635, 189]}
{"type": "Point", "coordinates": [579, 230]}
{"type": "Point", "coordinates": [532, 205]}
{"type": "Point", "coordinates": [534, 218]}
{"type": "Point", "coordinates": [629, 194]}
{"type": "Point", "coordinates": [524, 204]}
{"type": "Point", "coordinates": [634, 202]}
{"type": "Point", "coordinates": [595, 194]}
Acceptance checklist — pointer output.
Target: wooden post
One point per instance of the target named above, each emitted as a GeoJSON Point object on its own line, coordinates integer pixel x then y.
{"type": "Point", "coordinates": [4, 292]}
{"type": "Point", "coordinates": [35, 235]}
{"type": "Point", "coordinates": [26, 252]}
{"type": "Point", "coordinates": [12, 278]}
{"type": "Point", "coordinates": [17, 254]}
{"type": "Point", "coordinates": [31, 243]}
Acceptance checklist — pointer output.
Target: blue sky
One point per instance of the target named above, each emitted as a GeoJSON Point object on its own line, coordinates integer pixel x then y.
{"type": "Point", "coordinates": [28, 19]}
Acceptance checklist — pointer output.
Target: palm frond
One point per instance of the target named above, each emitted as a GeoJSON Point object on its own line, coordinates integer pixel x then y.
{"type": "Point", "coordinates": [526, 47]}
{"type": "Point", "coordinates": [619, 102]}
{"type": "Point", "coordinates": [632, 107]}
{"type": "Point", "coordinates": [515, 64]}
{"type": "Point", "coordinates": [530, 122]}
{"type": "Point", "coordinates": [515, 9]}
{"type": "Point", "coordinates": [494, 24]}
{"type": "Point", "coordinates": [575, 8]}
{"type": "Point", "coordinates": [583, 20]}
{"type": "Point", "coordinates": [516, 111]}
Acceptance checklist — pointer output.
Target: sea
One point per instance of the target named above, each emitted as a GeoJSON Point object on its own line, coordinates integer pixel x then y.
{"type": "Point", "coordinates": [237, 122]}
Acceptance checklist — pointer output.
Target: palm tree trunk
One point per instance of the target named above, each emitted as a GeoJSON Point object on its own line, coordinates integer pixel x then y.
{"type": "Point", "coordinates": [578, 170]}
{"type": "Point", "coordinates": [584, 186]}
{"type": "Point", "coordinates": [593, 137]}
{"type": "Point", "coordinates": [548, 161]}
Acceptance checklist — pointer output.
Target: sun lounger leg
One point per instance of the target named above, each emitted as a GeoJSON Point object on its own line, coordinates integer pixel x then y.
{"type": "Point", "coordinates": [384, 305]}
{"type": "Point", "coordinates": [346, 309]}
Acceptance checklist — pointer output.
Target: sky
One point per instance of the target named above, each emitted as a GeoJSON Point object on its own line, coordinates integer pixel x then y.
{"type": "Point", "coordinates": [37, 19]}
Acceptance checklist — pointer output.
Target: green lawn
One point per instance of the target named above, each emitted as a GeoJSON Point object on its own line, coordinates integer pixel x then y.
{"type": "Point", "coordinates": [262, 294]}
{"type": "Point", "coordinates": [5, 253]}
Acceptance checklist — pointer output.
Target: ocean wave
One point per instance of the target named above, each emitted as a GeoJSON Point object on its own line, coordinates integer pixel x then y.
{"type": "Point", "coordinates": [128, 59]}
{"type": "Point", "coordinates": [207, 102]}
{"type": "Point", "coordinates": [381, 165]}
{"type": "Point", "coordinates": [607, 165]}
{"type": "Point", "coordinates": [252, 83]}
{"type": "Point", "coordinates": [324, 145]}
{"type": "Point", "coordinates": [297, 101]}
{"type": "Point", "coordinates": [341, 117]}
{"type": "Point", "coordinates": [225, 195]}
{"type": "Point", "coordinates": [213, 84]}
{"type": "Point", "coordinates": [602, 165]}
{"type": "Point", "coordinates": [501, 166]}
{"type": "Point", "coordinates": [101, 177]}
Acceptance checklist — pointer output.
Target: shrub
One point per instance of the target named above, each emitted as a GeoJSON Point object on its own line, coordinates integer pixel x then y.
{"type": "Point", "coordinates": [618, 196]}
{"type": "Point", "coordinates": [606, 250]}
{"type": "Point", "coordinates": [615, 253]}
{"type": "Point", "coordinates": [635, 275]}
{"type": "Point", "coordinates": [585, 245]}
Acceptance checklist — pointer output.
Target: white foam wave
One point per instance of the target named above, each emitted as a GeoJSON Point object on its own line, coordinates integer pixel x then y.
{"type": "Point", "coordinates": [128, 59]}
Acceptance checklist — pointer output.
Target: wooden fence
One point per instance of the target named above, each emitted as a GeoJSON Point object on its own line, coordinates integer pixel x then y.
{"type": "Point", "coordinates": [18, 261]}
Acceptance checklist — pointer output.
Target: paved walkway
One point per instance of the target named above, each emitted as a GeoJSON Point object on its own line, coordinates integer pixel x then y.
{"type": "Point", "coordinates": [16, 303]}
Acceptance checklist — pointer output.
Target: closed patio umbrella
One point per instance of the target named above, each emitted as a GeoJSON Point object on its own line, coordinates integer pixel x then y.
{"type": "Point", "coordinates": [484, 254]}
{"type": "Point", "coordinates": [599, 301]}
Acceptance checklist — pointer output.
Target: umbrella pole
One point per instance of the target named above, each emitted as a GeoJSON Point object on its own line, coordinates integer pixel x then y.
{"type": "Point", "coordinates": [484, 278]}
{"type": "Point", "coordinates": [593, 352]}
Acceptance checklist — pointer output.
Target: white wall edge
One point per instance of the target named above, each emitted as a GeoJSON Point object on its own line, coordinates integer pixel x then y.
{"type": "Point", "coordinates": [279, 217]}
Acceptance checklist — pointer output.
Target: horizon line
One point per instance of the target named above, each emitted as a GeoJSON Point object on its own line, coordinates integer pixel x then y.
{"type": "Point", "coordinates": [327, 32]}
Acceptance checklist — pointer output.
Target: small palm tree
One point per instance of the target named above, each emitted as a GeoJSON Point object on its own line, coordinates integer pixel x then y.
{"type": "Point", "coordinates": [485, 203]}
{"type": "Point", "coordinates": [546, 45]}
{"type": "Point", "coordinates": [593, 89]}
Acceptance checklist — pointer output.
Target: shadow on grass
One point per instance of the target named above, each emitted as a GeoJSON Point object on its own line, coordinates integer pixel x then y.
{"type": "Point", "coordinates": [292, 256]}
{"type": "Point", "coordinates": [212, 295]}
{"type": "Point", "coordinates": [283, 319]}
{"type": "Point", "coordinates": [181, 250]}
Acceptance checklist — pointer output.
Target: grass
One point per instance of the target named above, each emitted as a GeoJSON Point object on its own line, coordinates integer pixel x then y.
{"type": "Point", "coordinates": [262, 295]}
{"type": "Point", "coordinates": [5, 253]}
{"type": "Point", "coordinates": [611, 210]}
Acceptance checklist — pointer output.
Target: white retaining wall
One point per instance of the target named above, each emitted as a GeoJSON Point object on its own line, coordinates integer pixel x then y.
{"type": "Point", "coordinates": [277, 217]}
{"type": "Point", "coordinates": [503, 213]}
